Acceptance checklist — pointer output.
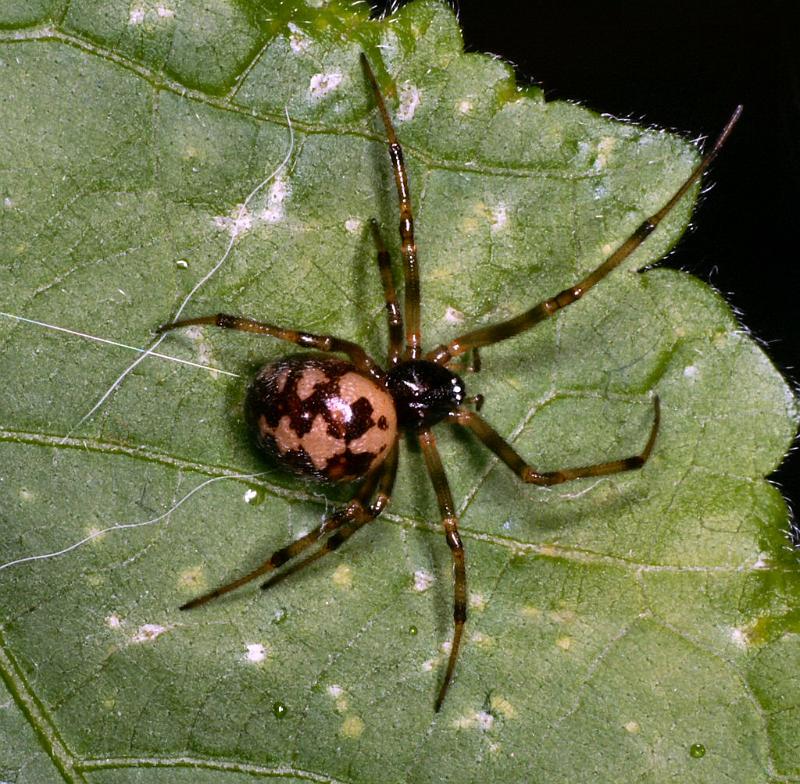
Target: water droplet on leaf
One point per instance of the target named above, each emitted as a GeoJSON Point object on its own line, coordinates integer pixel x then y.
{"type": "Point", "coordinates": [279, 709]}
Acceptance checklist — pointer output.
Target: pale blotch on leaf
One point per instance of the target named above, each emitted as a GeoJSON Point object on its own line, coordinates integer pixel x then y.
{"type": "Point", "coordinates": [8, 203]}
{"type": "Point", "coordinates": [690, 371]}
{"type": "Point", "coordinates": [239, 221]}
{"type": "Point", "coordinates": [481, 720]}
{"type": "Point", "coordinates": [453, 316]}
{"type": "Point", "coordinates": [343, 576]}
{"type": "Point", "coordinates": [409, 100]}
{"type": "Point", "coordinates": [604, 147]}
{"type": "Point", "coordinates": [739, 637]}
{"type": "Point", "coordinates": [353, 225]}
{"type": "Point", "coordinates": [498, 217]}
{"type": "Point", "coordinates": [26, 495]}
{"type": "Point", "coordinates": [565, 643]}
{"type": "Point", "coordinates": [191, 578]}
{"type": "Point", "coordinates": [563, 616]}
{"type": "Point", "coordinates": [530, 613]}
{"type": "Point", "coordinates": [338, 694]}
{"type": "Point", "coordinates": [250, 495]}
{"type": "Point", "coordinates": [482, 640]}
{"type": "Point", "coordinates": [202, 346]}
{"type": "Point", "coordinates": [352, 726]}
{"type": "Point", "coordinates": [422, 580]}
{"type": "Point", "coordinates": [299, 42]}
{"type": "Point", "coordinates": [148, 632]}
{"type": "Point", "coordinates": [429, 664]}
{"type": "Point", "coordinates": [321, 84]}
{"type": "Point", "coordinates": [113, 621]}
{"type": "Point", "coordinates": [279, 191]}
{"type": "Point", "coordinates": [464, 107]}
{"type": "Point", "coordinates": [256, 653]}
{"type": "Point", "coordinates": [477, 601]}
{"type": "Point", "coordinates": [762, 562]}
{"type": "Point", "coordinates": [501, 705]}
{"type": "Point", "coordinates": [632, 727]}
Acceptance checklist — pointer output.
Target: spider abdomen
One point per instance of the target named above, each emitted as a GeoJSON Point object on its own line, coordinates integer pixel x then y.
{"type": "Point", "coordinates": [424, 393]}
{"type": "Point", "coordinates": [320, 417]}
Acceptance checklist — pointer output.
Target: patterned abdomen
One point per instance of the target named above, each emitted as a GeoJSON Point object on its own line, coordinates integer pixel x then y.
{"type": "Point", "coordinates": [320, 417]}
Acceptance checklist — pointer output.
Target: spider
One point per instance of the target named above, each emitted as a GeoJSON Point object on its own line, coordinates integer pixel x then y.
{"type": "Point", "coordinates": [338, 420]}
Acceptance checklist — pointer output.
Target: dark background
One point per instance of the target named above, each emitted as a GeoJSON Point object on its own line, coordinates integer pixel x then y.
{"type": "Point", "coordinates": [685, 66]}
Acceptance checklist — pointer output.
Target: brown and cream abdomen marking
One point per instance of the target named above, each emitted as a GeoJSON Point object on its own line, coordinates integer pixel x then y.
{"type": "Point", "coordinates": [320, 417]}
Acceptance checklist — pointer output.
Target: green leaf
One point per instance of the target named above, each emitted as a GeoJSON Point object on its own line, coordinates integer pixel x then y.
{"type": "Point", "coordinates": [618, 628]}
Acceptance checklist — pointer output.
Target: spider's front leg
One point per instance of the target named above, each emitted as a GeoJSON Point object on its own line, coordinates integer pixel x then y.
{"type": "Point", "coordinates": [341, 525]}
{"type": "Point", "coordinates": [325, 343]}
{"type": "Point", "coordinates": [497, 444]}
{"type": "Point", "coordinates": [450, 522]}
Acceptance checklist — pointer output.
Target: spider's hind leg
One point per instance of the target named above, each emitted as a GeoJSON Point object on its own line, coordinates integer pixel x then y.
{"type": "Point", "coordinates": [341, 524]}
{"type": "Point", "coordinates": [444, 498]}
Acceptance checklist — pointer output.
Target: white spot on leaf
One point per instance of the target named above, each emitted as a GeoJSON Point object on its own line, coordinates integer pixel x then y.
{"type": "Point", "coordinates": [239, 221]}
{"type": "Point", "coordinates": [298, 40]}
{"type": "Point", "coordinates": [453, 316]}
{"type": "Point", "coordinates": [250, 495]}
{"type": "Point", "coordinates": [498, 217]}
{"type": "Point", "coordinates": [148, 632]}
{"type": "Point", "coordinates": [604, 147]}
{"type": "Point", "coordinates": [353, 225]}
{"type": "Point", "coordinates": [739, 637]}
{"type": "Point", "coordinates": [690, 371]}
{"type": "Point", "coordinates": [422, 580]}
{"type": "Point", "coordinates": [279, 191]}
{"type": "Point", "coordinates": [481, 720]}
{"type": "Point", "coordinates": [256, 653]}
{"type": "Point", "coordinates": [762, 562]}
{"type": "Point", "coordinates": [323, 83]}
{"type": "Point", "coordinates": [409, 100]}
{"type": "Point", "coordinates": [113, 621]}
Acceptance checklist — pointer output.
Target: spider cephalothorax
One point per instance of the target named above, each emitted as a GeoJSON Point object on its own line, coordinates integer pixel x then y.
{"type": "Point", "coordinates": [338, 420]}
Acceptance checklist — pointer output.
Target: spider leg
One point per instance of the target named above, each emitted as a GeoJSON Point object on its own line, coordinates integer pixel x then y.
{"type": "Point", "coordinates": [354, 510]}
{"type": "Point", "coordinates": [468, 366]}
{"type": "Point", "coordinates": [450, 522]}
{"type": "Point", "coordinates": [390, 296]}
{"type": "Point", "coordinates": [407, 244]}
{"type": "Point", "coordinates": [347, 529]}
{"type": "Point", "coordinates": [506, 329]}
{"type": "Point", "coordinates": [326, 343]}
{"type": "Point", "coordinates": [497, 444]}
